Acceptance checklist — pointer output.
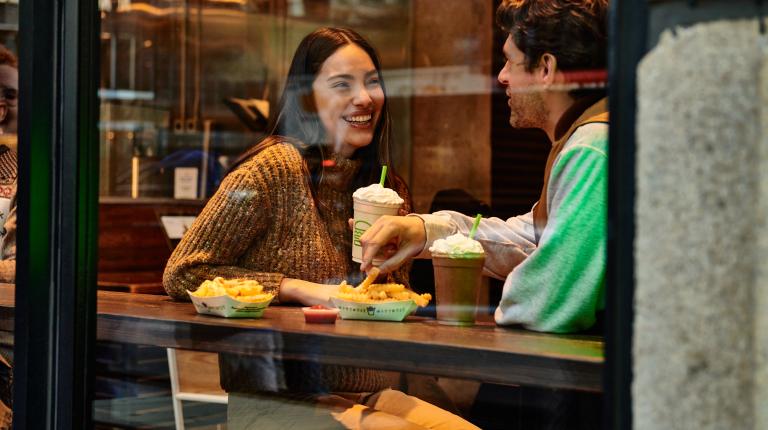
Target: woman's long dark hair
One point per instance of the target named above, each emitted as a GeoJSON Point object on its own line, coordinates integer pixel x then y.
{"type": "Point", "coordinates": [297, 116]}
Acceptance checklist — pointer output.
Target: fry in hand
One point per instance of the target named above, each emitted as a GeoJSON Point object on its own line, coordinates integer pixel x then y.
{"type": "Point", "coordinates": [372, 275]}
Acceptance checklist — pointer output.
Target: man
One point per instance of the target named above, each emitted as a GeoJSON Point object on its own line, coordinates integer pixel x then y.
{"type": "Point", "coordinates": [9, 78]}
{"type": "Point", "coordinates": [552, 258]}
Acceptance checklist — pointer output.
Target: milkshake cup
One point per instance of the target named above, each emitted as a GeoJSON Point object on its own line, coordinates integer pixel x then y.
{"type": "Point", "coordinates": [458, 277]}
{"type": "Point", "coordinates": [370, 203]}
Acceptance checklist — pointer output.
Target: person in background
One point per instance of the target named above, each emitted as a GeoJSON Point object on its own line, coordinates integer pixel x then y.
{"type": "Point", "coordinates": [553, 258]}
{"type": "Point", "coordinates": [280, 217]}
{"type": "Point", "coordinates": [9, 84]}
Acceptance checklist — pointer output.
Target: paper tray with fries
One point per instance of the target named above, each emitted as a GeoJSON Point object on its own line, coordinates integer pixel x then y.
{"type": "Point", "coordinates": [381, 302]}
{"type": "Point", "coordinates": [384, 311]}
{"type": "Point", "coordinates": [231, 298]}
{"type": "Point", "coordinates": [225, 306]}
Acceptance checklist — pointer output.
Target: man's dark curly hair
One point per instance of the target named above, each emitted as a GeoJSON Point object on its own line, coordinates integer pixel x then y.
{"type": "Point", "coordinates": [7, 58]}
{"type": "Point", "coordinates": [574, 31]}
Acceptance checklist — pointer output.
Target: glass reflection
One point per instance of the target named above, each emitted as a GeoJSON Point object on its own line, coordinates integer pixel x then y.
{"type": "Point", "coordinates": [188, 86]}
{"type": "Point", "coordinates": [9, 84]}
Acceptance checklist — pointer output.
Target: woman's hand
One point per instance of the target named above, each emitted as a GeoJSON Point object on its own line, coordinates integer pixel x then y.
{"type": "Point", "coordinates": [305, 292]}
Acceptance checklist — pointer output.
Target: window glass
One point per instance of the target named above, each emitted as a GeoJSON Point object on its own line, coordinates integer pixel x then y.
{"type": "Point", "coordinates": [9, 109]}
{"type": "Point", "coordinates": [233, 135]}
{"type": "Point", "coordinates": [186, 87]}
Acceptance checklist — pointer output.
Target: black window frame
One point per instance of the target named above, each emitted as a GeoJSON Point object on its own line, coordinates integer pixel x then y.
{"type": "Point", "coordinates": [57, 211]}
{"type": "Point", "coordinates": [627, 29]}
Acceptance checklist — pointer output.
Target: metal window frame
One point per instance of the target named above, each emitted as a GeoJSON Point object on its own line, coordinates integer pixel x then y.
{"type": "Point", "coordinates": [57, 212]}
{"type": "Point", "coordinates": [628, 28]}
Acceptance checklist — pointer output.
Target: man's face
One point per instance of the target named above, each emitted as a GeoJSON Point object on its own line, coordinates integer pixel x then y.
{"type": "Point", "coordinates": [527, 107]}
{"type": "Point", "coordinates": [9, 90]}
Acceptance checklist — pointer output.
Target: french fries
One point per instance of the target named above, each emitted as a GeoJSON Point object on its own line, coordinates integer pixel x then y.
{"type": "Point", "coordinates": [369, 279]}
{"type": "Point", "coordinates": [244, 290]}
{"type": "Point", "coordinates": [378, 293]}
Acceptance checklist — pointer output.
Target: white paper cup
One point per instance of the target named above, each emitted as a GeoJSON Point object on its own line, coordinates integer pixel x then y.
{"type": "Point", "coordinates": [366, 213]}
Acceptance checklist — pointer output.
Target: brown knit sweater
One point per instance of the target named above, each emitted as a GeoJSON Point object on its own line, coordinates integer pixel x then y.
{"type": "Point", "coordinates": [262, 223]}
{"type": "Point", "coordinates": [8, 186]}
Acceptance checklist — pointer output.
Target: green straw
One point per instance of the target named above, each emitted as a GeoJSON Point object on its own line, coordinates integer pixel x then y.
{"type": "Point", "coordinates": [474, 226]}
{"type": "Point", "coordinates": [383, 175]}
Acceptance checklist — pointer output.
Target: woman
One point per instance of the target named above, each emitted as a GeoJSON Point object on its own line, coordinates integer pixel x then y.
{"type": "Point", "coordinates": [280, 217]}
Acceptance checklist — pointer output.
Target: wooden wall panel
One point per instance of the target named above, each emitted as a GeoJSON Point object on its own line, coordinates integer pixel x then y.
{"type": "Point", "coordinates": [451, 132]}
{"type": "Point", "coordinates": [133, 247]}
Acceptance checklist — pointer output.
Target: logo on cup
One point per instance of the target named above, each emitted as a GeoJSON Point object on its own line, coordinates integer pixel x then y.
{"type": "Point", "coordinates": [360, 228]}
{"type": "Point", "coordinates": [371, 310]}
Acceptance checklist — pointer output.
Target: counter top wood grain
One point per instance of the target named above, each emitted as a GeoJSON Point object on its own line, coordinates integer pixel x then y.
{"type": "Point", "coordinates": [484, 352]}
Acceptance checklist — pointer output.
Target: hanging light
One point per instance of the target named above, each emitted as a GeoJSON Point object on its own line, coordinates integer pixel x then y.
{"type": "Point", "coordinates": [105, 5]}
{"type": "Point", "coordinates": [123, 5]}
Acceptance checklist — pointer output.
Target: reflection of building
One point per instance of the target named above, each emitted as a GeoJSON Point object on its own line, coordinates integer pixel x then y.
{"type": "Point", "coordinates": [359, 12]}
{"type": "Point", "coordinates": [700, 328]}
{"type": "Point", "coordinates": [9, 27]}
{"type": "Point", "coordinates": [173, 64]}
{"type": "Point", "coordinates": [181, 60]}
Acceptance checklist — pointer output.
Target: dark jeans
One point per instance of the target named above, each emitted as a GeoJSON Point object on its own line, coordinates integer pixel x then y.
{"type": "Point", "coordinates": [517, 408]}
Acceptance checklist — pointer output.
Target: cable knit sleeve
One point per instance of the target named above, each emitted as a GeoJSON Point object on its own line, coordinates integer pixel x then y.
{"type": "Point", "coordinates": [234, 220]}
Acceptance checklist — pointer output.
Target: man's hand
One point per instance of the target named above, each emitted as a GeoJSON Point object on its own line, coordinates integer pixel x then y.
{"type": "Point", "coordinates": [398, 238]}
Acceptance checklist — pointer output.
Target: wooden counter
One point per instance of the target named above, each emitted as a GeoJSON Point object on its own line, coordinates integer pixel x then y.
{"type": "Point", "coordinates": [483, 352]}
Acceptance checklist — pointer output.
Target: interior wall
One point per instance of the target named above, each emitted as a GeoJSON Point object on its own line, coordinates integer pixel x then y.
{"type": "Point", "coordinates": [451, 120]}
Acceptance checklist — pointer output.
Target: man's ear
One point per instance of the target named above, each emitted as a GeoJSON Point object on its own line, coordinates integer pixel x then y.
{"type": "Point", "coordinates": [548, 70]}
{"type": "Point", "coordinates": [3, 111]}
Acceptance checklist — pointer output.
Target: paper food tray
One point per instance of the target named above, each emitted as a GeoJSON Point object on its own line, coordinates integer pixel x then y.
{"type": "Point", "coordinates": [225, 306]}
{"type": "Point", "coordinates": [385, 311]}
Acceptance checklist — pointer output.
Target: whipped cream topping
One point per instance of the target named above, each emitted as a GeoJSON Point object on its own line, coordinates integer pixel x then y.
{"type": "Point", "coordinates": [456, 245]}
{"type": "Point", "coordinates": [375, 193]}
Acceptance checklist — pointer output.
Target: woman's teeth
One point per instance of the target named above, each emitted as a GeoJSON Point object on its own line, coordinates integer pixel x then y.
{"type": "Point", "coordinates": [358, 118]}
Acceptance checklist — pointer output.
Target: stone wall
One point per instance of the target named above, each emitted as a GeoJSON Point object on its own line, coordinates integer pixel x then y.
{"type": "Point", "coordinates": [760, 393]}
{"type": "Point", "coordinates": [702, 240]}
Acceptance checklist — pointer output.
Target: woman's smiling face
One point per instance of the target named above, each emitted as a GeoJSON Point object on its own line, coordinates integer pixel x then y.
{"type": "Point", "coordinates": [349, 98]}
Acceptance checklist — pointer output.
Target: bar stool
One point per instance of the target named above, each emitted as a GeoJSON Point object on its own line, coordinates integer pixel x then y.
{"type": "Point", "coordinates": [178, 396]}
